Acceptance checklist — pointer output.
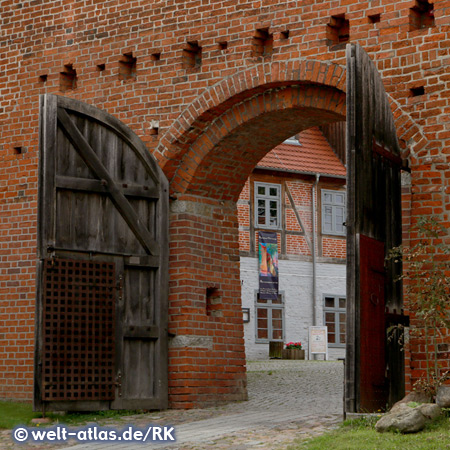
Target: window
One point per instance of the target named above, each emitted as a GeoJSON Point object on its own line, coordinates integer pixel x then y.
{"type": "Point", "coordinates": [334, 313]}
{"type": "Point", "coordinates": [292, 141]}
{"type": "Point", "coordinates": [269, 320]}
{"type": "Point", "coordinates": [267, 205]}
{"type": "Point", "coordinates": [333, 212]}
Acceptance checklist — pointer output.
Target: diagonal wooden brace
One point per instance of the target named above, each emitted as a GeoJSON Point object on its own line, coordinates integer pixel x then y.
{"type": "Point", "coordinates": [118, 198]}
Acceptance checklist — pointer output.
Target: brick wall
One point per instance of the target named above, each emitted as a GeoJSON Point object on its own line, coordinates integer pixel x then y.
{"type": "Point", "coordinates": [189, 79]}
{"type": "Point", "coordinates": [207, 353]}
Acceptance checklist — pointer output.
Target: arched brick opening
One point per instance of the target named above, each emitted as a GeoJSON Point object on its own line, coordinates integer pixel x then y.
{"type": "Point", "coordinates": [207, 155]}
{"type": "Point", "coordinates": [218, 163]}
{"type": "Point", "coordinates": [202, 113]}
{"type": "Point", "coordinates": [233, 90]}
{"type": "Point", "coordinates": [220, 160]}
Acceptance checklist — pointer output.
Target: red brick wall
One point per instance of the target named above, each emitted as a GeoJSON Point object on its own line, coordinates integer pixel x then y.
{"type": "Point", "coordinates": [207, 125]}
{"type": "Point", "coordinates": [17, 272]}
{"type": "Point", "coordinates": [243, 209]}
{"type": "Point", "coordinates": [204, 259]}
{"type": "Point", "coordinates": [301, 192]}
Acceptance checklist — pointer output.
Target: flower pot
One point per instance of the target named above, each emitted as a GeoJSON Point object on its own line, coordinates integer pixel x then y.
{"type": "Point", "coordinates": [293, 353]}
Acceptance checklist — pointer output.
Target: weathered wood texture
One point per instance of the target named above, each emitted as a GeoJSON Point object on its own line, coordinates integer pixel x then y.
{"type": "Point", "coordinates": [103, 197]}
{"type": "Point", "coordinates": [335, 134]}
{"type": "Point", "coordinates": [276, 349]}
{"type": "Point", "coordinates": [374, 211]}
{"type": "Point", "coordinates": [293, 353]}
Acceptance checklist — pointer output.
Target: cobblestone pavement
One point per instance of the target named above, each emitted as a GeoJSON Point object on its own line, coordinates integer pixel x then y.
{"type": "Point", "coordinates": [287, 400]}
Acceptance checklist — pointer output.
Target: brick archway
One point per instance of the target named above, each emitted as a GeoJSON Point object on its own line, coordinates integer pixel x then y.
{"type": "Point", "coordinates": [242, 97]}
{"type": "Point", "coordinates": [265, 89]}
{"type": "Point", "coordinates": [207, 155]}
{"type": "Point", "coordinates": [218, 163]}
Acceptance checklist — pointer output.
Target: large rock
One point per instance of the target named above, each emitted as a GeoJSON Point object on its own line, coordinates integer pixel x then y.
{"type": "Point", "coordinates": [414, 396]}
{"type": "Point", "coordinates": [403, 419]}
{"type": "Point", "coordinates": [408, 418]}
{"type": "Point", "coordinates": [430, 410]}
{"type": "Point", "coordinates": [443, 396]}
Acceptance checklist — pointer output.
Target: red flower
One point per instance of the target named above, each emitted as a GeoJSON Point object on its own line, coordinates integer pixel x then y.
{"type": "Point", "coordinates": [297, 345]}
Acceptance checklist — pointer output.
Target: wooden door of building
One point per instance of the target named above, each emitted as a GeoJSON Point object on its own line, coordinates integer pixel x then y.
{"type": "Point", "coordinates": [373, 228]}
{"type": "Point", "coordinates": [101, 325]}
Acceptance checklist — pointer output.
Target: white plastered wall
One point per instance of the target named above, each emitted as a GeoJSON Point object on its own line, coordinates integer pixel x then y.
{"type": "Point", "coordinates": [296, 284]}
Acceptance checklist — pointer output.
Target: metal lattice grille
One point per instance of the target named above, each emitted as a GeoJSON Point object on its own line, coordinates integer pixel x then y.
{"type": "Point", "coordinates": [78, 330]}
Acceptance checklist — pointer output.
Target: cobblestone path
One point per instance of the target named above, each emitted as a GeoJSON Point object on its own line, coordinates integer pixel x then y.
{"type": "Point", "coordinates": [287, 400]}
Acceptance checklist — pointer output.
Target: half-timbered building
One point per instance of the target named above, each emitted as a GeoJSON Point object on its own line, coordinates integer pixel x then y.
{"type": "Point", "coordinates": [298, 192]}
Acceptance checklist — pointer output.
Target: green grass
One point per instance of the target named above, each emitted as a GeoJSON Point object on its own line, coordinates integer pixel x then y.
{"type": "Point", "coordinates": [16, 413]}
{"type": "Point", "coordinates": [361, 435]}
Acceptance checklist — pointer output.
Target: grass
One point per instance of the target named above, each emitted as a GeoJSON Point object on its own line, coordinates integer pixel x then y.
{"type": "Point", "coordinates": [15, 413]}
{"type": "Point", "coordinates": [360, 434]}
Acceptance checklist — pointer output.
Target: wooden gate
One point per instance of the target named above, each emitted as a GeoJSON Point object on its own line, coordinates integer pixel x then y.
{"type": "Point", "coordinates": [373, 228]}
{"type": "Point", "coordinates": [101, 322]}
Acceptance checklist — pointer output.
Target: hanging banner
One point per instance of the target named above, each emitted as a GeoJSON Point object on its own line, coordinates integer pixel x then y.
{"type": "Point", "coordinates": [268, 265]}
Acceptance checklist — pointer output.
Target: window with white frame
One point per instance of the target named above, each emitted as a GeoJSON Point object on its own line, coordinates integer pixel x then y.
{"type": "Point", "coordinates": [333, 212]}
{"type": "Point", "coordinates": [334, 314]}
{"type": "Point", "coordinates": [267, 205]}
{"type": "Point", "coordinates": [269, 320]}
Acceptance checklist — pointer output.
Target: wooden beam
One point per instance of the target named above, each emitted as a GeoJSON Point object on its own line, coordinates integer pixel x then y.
{"type": "Point", "coordinates": [91, 185]}
{"type": "Point", "coordinates": [297, 216]}
{"type": "Point", "coordinates": [351, 387]}
{"type": "Point", "coordinates": [141, 332]}
{"type": "Point", "coordinates": [385, 153]}
{"type": "Point", "coordinates": [46, 182]}
{"type": "Point", "coordinates": [142, 261]}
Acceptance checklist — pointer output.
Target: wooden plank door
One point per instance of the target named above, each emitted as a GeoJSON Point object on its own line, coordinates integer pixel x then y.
{"type": "Point", "coordinates": [373, 228]}
{"type": "Point", "coordinates": [373, 383]}
{"type": "Point", "coordinates": [101, 322]}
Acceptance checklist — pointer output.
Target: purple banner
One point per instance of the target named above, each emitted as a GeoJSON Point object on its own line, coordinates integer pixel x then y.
{"type": "Point", "coordinates": [268, 265]}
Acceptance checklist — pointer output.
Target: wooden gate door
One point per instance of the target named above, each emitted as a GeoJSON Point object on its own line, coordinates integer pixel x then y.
{"type": "Point", "coordinates": [374, 297]}
{"type": "Point", "coordinates": [373, 382]}
{"type": "Point", "coordinates": [101, 322]}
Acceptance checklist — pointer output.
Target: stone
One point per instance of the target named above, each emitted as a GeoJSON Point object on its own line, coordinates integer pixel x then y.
{"type": "Point", "coordinates": [443, 396]}
{"type": "Point", "coordinates": [414, 396]}
{"type": "Point", "coordinates": [40, 420]}
{"type": "Point", "coordinates": [404, 419]}
{"type": "Point", "coordinates": [430, 410]}
{"type": "Point", "coordinates": [408, 417]}
{"type": "Point", "coordinates": [182, 341]}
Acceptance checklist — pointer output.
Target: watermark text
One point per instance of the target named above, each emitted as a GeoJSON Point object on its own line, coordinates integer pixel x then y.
{"type": "Point", "coordinates": [94, 433]}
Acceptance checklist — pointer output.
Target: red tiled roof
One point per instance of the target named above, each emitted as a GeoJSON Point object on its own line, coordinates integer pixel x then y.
{"type": "Point", "coordinates": [313, 155]}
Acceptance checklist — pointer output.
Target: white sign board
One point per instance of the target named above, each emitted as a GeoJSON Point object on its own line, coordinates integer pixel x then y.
{"type": "Point", "coordinates": [318, 341]}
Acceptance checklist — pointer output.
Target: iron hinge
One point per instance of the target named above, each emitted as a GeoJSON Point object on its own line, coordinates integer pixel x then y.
{"type": "Point", "coordinates": [118, 383]}
{"type": "Point", "coordinates": [120, 287]}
